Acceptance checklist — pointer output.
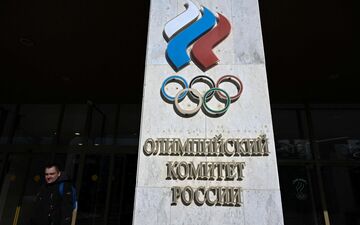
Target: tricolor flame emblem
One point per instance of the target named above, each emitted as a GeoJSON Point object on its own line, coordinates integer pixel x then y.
{"type": "Point", "coordinates": [199, 27]}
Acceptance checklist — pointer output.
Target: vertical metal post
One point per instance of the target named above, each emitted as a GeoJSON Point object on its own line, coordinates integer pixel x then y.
{"type": "Point", "coordinates": [300, 123]}
{"type": "Point", "coordinates": [3, 166]}
{"type": "Point", "coordinates": [102, 129]}
{"type": "Point", "coordinates": [109, 187]}
{"type": "Point", "coordinates": [4, 154]}
{"type": "Point", "coordinates": [59, 124]}
{"type": "Point", "coordinates": [117, 120]}
{"type": "Point", "coordinates": [103, 116]}
{"type": "Point", "coordinates": [315, 149]}
{"type": "Point", "coordinates": [3, 116]}
{"type": "Point", "coordinates": [79, 173]}
{"type": "Point", "coordinates": [123, 172]}
{"type": "Point", "coordinates": [87, 128]}
{"type": "Point", "coordinates": [18, 208]}
{"type": "Point", "coordinates": [313, 205]}
{"type": "Point", "coordinates": [15, 124]}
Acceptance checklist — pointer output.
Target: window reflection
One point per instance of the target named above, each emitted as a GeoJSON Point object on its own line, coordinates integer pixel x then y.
{"type": "Point", "coordinates": [293, 149]}
{"type": "Point", "coordinates": [129, 120]}
{"type": "Point", "coordinates": [299, 205]}
{"type": "Point", "coordinates": [72, 130]}
{"type": "Point", "coordinates": [37, 124]}
{"type": "Point", "coordinates": [110, 112]}
{"type": "Point", "coordinates": [337, 133]}
{"type": "Point", "coordinates": [291, 136]}
{"type": "Point", "coordinates": [92, 196]}
{"type": "Point", "coordinates": [9, 117]}
{"type": "Point", "coordinates": [70, 124]}
{"type": "Point", "coordinates": [122, 190]}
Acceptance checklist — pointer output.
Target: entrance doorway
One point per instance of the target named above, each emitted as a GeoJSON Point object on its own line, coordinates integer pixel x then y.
{"type": "Point", "coordinates": [104, 179]}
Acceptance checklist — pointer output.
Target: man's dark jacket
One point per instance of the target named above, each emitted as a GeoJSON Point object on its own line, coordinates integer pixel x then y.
{"type": "Point", "coordinates": [51, 207]}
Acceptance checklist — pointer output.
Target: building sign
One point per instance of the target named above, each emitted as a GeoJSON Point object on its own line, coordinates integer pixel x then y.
{"type": "Point", "coordinates": [206, 170]}
{"type": "Point", "coordinates": [203, 30]}
{"type": "Point", "coordinates": [206, 148]}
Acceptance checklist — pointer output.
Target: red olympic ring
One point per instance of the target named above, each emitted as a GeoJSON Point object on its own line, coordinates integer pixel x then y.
{"type": "Point", "coordinates": [238, 84]}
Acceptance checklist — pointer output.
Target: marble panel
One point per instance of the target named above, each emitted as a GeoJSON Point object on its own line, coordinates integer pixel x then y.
{"type": "Point", "coordinates": [152, 206]}
{"type": "Point", "coordinates": [192, 214]}
{"type": "Point", "coordinates": [247, 32]}
{"type": "Point", "coordinates": [225, 215]}
{"type": "Point", "coordinates": [207, 215]}
{"type": "Point", "coordinates": [161, 11]}
{"type": "Point", "coordinates": [263, 207]}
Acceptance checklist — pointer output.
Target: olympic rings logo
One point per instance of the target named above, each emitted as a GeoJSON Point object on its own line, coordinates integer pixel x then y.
{"type": "Point", "coordinates": [202, 100]}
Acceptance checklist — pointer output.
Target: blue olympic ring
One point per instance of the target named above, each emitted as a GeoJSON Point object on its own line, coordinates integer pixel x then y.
{"type": "Point", "coordinates": [166, 81]}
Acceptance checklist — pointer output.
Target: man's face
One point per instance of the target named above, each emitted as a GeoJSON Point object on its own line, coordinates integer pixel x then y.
{"type": "Point", "coordinates": [51, 175]}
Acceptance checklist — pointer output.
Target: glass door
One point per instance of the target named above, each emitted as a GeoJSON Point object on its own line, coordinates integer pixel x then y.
{"type": "Point", "coordinates": [93, 187]}
{"type": "Point", "coordinates": [23, 175]}
{"type": "Point", "coordinates": [107, 188]}
{"type": "Point", "coordinates": [341, 186]}
{"type": "Point", "coordinates": [122, 190]}
{"type": "Point", "coordinates": [12, 189]}
{"type": "Point", "coordinates": [104, 179]}
{"type": "Point", "coordinates": [300, 205]}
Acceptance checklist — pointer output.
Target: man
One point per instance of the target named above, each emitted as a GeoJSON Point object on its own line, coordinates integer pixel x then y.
{"type": "Point", "coordinates": [54, 203]}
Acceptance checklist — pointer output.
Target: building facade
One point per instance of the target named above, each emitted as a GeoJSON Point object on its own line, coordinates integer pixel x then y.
{"type": "Point", "coordinates": [71, 93]}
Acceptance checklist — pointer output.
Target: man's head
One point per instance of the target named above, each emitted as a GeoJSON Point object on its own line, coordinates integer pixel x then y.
{"type": "Point", "coordinates": [52, 173]}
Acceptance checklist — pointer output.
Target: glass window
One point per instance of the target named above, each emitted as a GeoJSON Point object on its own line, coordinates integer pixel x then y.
{"type": "Point", "coordinates": [8, 118]}
{"type": "Point", "coordinates": [129, 188]}
{"type": "Point", "coordinates": [103, 124]}
{"type": "Point", "coordinates": [37, 124]}
{"type": "Point", "coordinates": [300, 206]}
{"type": "Point", "coordinates": [117, 190]}
{"type": "Point", "coordinates": [13, 185]}
{"type": "Point", "coordinates": [129, 124]}
{"type": "Point", "coordinates": [337, 133]}
{"type": "Point", "coordinates": [342, 185]}
{"type": "Point", "coordinates": [3, 117]}
{"type": "Point", "coordinates": [92, 196]}
{"type": "Point", "coordinates": [97, 132]}
{"type": "Point", "coordinates": [291, 134]}
{"type": "Point", "coordinates": [109, 111]}
{"type": "Point", "coordinates": [2, 166]}
{"type": "Point", "coordinates": [73, 124]}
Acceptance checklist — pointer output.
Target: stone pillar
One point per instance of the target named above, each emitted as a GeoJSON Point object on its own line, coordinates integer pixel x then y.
{"type": "Point", "coordinates": [212, 166]}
